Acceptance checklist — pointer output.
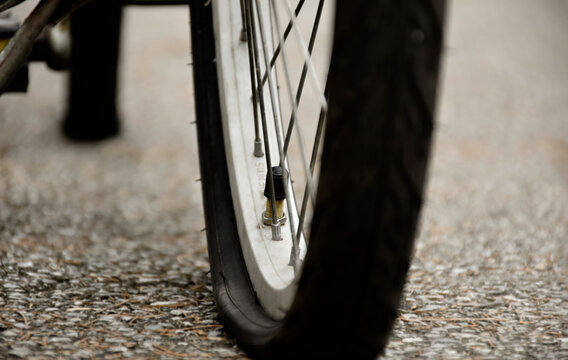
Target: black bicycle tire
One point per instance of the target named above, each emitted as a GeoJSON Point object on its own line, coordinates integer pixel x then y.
{"type": "Point", "coordinates": [391, 117]}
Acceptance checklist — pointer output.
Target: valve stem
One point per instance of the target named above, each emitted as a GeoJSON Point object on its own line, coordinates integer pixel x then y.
{"type": "Point", "coordinates": [279, 178]}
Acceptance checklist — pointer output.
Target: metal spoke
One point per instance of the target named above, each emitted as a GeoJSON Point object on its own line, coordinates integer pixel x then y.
{"type": "Point", "coordinates": [304, 73]}
{"type": "Point", "coordinates": [306, 54]}
{"type": "Point", "coordinates": [263, 28]}
{"type": "Point", "coordinates": [272, 86]}
{"type": "Point", "coordinates": [294, 259]}
{"type": "Point", "coordinates": [315, 150]}
{"type": "Point", "coordinates": [252, 26]}
{"type": "Point", "coordinates": [310, 191]}
{"type": "Point", "coordinates": [249, 29]}
{"type": "Point", "coordinates": [299, 133]}
{"type": "Point", "coordinates": [286, 33]}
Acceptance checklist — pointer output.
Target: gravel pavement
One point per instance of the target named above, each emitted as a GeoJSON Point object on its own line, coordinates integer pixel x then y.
{"type": "Point", "coordinates": [102, 252]}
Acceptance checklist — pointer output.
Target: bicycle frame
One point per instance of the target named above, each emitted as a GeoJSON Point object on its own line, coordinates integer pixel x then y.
{"type": "Point", "coordinates": [20, 46]}
{"type": "Point", "coordinates": [45, 13]}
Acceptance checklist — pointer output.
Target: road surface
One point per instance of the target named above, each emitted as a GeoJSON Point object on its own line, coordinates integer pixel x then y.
{"type": "Point", "coordinates": [101, 246]}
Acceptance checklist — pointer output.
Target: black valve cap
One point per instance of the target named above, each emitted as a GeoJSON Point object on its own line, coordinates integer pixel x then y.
{"type": "Point", "coordinates": [279, 175]}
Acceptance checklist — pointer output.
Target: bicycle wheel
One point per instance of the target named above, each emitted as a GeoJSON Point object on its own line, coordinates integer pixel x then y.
{"type": "Point", "coordinates": [339, 297]}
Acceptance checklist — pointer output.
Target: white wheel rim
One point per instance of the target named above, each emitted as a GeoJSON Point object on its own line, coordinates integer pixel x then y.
{"type": "Point", "coordinates": [267, 260]}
